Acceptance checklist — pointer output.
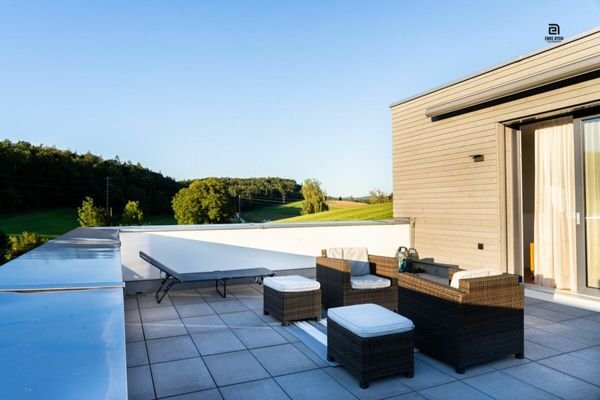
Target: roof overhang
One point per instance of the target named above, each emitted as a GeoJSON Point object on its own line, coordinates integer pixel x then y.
{"type": "Point", "coordinates": [549, 77]}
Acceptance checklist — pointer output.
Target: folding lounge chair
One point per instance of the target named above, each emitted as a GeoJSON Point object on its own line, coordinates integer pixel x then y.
{"type": "Point", "coordinates": [170, 277]}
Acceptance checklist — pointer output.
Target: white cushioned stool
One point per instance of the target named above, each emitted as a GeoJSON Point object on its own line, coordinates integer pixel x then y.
{"type": "Point", "coordinates": [370, 341]}
{"type": "Point", "coordinates": [292, 298]}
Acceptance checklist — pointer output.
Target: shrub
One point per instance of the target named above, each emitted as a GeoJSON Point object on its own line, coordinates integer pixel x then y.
{"type": "Point", "coordinates": [91, 215]}
{"type": "Point", "coordinates": [315, 199]}
{"type": "Point", "coordinates": [132, 214]}
{"type": "Point", "coordinates": [21, 244]}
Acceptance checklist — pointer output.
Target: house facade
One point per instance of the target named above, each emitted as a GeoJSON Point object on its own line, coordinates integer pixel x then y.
{"type": "Point", "coordinates": [501, 169]}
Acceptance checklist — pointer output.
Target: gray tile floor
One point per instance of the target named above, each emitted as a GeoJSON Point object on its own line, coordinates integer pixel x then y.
{"type": "Point", "coordinates": [197, 345]}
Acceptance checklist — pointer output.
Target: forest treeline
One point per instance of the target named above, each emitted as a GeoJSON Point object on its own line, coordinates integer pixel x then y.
{"type": "Point", "coordinates": [40, 178]}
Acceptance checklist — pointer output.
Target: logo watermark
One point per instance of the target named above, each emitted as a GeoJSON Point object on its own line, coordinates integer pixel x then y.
{"type": "Point", "coordinates": [554, 34]}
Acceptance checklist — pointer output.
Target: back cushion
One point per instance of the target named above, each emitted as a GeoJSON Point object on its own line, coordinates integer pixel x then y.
{"type": "Point", "coordinates": [473, 273]}
{"type": "Point", "coordinates": [359, 260]}
{"type": "Point", "coordinates": [336, 252]}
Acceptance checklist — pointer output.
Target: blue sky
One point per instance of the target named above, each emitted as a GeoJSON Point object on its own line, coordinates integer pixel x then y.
{"type": "Point", "coordinates": [249, 88]}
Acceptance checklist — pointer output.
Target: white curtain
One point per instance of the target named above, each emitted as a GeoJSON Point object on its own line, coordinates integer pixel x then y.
{"type": "Point", "coordinates": [592, 199]}
{"type": "Point", "coordinates": [554, 214]}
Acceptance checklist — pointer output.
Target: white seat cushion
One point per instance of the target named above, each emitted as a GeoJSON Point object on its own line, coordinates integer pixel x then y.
{"type": "Point", "coordinates": [369, 320]}
{"type": "Point", "coordinates": [291, 283]}
{"type": "Point", "coordinates": [369, 282]}
{"type": "Point", "coordinates": [358, 257]}
{"type": "Point", "coordinates": [473, 273]}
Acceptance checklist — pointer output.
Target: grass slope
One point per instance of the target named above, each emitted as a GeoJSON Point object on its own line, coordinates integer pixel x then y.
{"type": "Point", "coordinates": [50, 223]}
{"type": "Point", "coordinates": [359, 213]}
{"type": "Point", "coordinates": [273, 213]}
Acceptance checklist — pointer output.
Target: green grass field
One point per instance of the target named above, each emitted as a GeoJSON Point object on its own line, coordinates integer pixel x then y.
{"type": "Point", "coordinates": [273, 213]}
{"type": "Point", "coordinates": [358, 213]}
{"type": "Point", "coordinates": [46, 223]}
{"type": "Point", "coordinates": [54, 223]}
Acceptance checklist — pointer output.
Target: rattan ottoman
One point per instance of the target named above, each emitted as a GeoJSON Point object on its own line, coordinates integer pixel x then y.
{"type": "Point", "coordinates": [370, 341]}
{"type": "Point", "coordinates": [292, 298]}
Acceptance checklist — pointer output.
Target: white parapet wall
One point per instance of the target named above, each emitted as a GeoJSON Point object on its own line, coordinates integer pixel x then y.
{"type": "Point", "coordinates": [274, 246]}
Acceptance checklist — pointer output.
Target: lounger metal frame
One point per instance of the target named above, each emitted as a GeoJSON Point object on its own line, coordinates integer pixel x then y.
{"type": "Point", "coordinates": [170, 277]}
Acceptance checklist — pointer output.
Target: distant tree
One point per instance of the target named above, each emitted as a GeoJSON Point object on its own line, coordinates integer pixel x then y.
{"type": "Point", "coordinates": [340, 198]}
{"type": "Point", "coordinates": [205, 201]}
{"type": "Point", "coordinates": [4, 247]}
{"type": "Point", "coordinates": [377, 196]}
{"type": "Point", "coordinates": [91, 215]}
{"type": "Point", "coordinates": [21, 244]}
{"type": "Point", "coordinates": [315, 199]}
{"type": "Point", "coordinates": [132, 214]}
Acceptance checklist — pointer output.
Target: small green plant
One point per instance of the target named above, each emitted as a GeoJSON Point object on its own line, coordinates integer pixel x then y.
{"type": "Point", "coordinates": [132, 214]}
{"type": "Point", "coordinates": [91, 215]}
{"type": "Point", "coordinates": [21, 244]}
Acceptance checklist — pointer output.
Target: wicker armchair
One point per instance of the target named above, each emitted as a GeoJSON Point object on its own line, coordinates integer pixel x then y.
{"type": "Point", "coordinates": [480, 321]}
{"type": "Point", "coordinates": [336, 290]}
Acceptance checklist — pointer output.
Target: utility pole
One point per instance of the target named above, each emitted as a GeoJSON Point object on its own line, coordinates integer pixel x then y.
{"type": "Point", "coordinates": [107, 193]}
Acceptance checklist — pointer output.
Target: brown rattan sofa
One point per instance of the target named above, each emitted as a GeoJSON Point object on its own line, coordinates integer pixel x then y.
{"type": "Point", "coordinates": [336, 290]}
{"type": "Point", "coordinates": [480, 321]}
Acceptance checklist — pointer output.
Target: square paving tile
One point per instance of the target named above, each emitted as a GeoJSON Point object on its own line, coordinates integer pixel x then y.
{"type": "Point", "coordinates": [454, 391]}
{"type": "Point", "coordinates": [426, 376]}
{"type": "Point", "coordinates": [534, 351]}
{"type": "Point", "coordinates": [205, 323]}
{"type": "Point", "coordinates": [531, 320]}
{"type": "Point", "coordinates": [552, 340]}
{"type": "Point", "coordinates": [149, 301]}
{"type": "Point", "coordinates": [262, 336]}
{"type": "Point", "coordinates": [236, 367]}
{"type": "Point", "coordinates": [183, 297]}
{"type": "Point", "coordinates": [194, 309]}
{"type": "Point", "coordinates": [136, 354]}
{"type": "Point", "coordinates": [133, 332]}
{"type": "Point", "coordinates": [266, 389]}
{"type": "Point", "coordinates": [584, 323]}
{"type": "Point", "coordinates": [158, 314]}
{"type": "Point", "coordinates": [242, 319]}
{"type": "Point", "coordinates": [161, 329]}
{"type": "Point", "coordinates": [131, 303]}
{"type": "Point", "coordinates": [182, 376]}
{"type": "Point", "coordinates": [572, 332]}
{"type": "Point", "coordinates": [133, 316]}
{"type": "Point", "coordinates": [308, 352]}
{"type": "Point", "coordinates": [283, 359]}
{"type": "Point", "coordinates": [314, 385]}
{"type": "Point", "coordinates": [555, 382]}
{"type": "Point", "coordinates": [586, 370]}
{"type": "Point", "coordinates": [408, 396]}
{"type": "Point", "coordinates": [209, 294]}
{"type": "Point", "coordinates": [210, 394]}
{"type": "Point", "coordinates": [139, 383]}
{"type": "Point", "coordinates": [450, 370]}
{"type": "Point", "coordinates": [576, 312]}
{"type": "Point", "coordinates": [171, 348]}
{"type": "Point", "coordinates": [544, 313]}
{"type": "Point", "coordinates": [502, 386]}
{"type": "Point", "coordinates": [217, 341]}
{"type": "Point", "coordinates": [228, 306]}
{"type": "Point", "coordinates": [378, 388]}
{"type": "Point", "coordinates": [591, 354]}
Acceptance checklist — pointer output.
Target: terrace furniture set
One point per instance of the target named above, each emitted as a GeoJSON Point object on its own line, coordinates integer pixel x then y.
{"type": "Point", "coordinates": [477, 318]}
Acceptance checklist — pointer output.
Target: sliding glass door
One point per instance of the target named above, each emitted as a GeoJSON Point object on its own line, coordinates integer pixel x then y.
{"type": "Point", "coordinates": [591, 188]}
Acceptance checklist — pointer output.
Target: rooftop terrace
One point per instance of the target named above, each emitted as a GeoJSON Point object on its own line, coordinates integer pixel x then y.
{"type": "Point", "coordinates": [198, 345]}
